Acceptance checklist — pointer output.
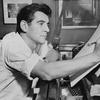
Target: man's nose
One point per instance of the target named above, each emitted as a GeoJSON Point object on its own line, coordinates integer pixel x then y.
{"type": "Point", "coordinates": [46, 28]}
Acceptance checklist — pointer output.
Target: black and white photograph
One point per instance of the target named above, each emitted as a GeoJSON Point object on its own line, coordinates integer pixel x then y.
{"type": "Point", "coordinates": [49, 49]}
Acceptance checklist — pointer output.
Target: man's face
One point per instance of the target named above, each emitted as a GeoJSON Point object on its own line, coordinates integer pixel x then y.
{"type": "Point", "coordinates": [38, 29]}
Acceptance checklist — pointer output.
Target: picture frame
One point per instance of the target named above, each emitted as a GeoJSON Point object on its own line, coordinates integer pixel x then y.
{"type": "Point", "coordinates": [66, 51]}
{"type": "Point", "coordinates": [78, 13]}
{"type": "Point", "coordinates": [11, 8]}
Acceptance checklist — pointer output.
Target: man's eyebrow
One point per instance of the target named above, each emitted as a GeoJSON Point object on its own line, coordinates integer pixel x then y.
{"type": "Point", "coordinates": [42, 21]}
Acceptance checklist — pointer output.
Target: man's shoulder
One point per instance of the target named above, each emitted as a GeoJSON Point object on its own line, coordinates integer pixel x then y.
{"type": "Point", "coordinates": [11, 40]}
{"type": "Point", "coordinates": [9, 35]}
{"type": "Point", "coordinates": [13, 43]}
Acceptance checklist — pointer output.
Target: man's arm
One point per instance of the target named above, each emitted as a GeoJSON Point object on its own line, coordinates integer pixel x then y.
{"type": "Point", "coordinates": [52, 70]}
{"type": "Point", "coordinates": [47, 52]}
{"type": "Point", "coordinates": [52, 56]}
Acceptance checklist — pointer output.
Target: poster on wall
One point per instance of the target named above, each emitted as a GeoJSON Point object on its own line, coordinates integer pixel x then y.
{"type": "Point", "coordinates": [79, 13]}
{"type": "Point", "coordinates": [11, 8]}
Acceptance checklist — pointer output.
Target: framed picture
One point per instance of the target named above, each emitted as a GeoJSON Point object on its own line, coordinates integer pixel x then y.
{"type": "Point", "coordinates": [78, 13]}
{"type": "Point", "coordinates": [66, 51]}
{"type": "Point", "coordinates": [11, 8]}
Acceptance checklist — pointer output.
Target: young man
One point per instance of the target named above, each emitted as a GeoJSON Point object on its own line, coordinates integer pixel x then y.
{"type": "Point", "coordinates": [22, 53]}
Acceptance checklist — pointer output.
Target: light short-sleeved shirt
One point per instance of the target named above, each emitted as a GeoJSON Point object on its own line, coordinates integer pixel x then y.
{"type": "Point", "coordinates": [16, 63]}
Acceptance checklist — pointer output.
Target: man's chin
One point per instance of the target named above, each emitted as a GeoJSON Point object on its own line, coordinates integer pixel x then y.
{"type": "Point", "coordinates": [42, 42]}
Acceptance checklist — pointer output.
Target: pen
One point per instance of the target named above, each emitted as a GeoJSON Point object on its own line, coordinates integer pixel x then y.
{"type": "Point", "coordinates": [89, 44]}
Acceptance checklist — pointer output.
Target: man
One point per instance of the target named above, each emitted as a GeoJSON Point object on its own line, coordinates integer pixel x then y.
{"type": "Point", "coordinates": [22, 53]}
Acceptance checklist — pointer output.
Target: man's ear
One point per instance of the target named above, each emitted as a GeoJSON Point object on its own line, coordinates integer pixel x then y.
{"type": "Point", "coordinates": [24, 25]}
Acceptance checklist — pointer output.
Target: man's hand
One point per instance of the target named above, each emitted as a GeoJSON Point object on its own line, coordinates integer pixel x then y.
{"type": "Point", "coordinates": [46, 51]}
{"type": "Point", "coordinates": [97, 48]}
{"type": "Point", "coordinates": [52, 55]}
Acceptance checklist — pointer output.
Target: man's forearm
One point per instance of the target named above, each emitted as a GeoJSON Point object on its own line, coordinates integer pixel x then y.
{"type": "Point", "coordinates": [49, 71]}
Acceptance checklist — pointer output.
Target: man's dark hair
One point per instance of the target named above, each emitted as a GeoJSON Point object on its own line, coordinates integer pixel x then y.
{"type": "Point", "coordinates": [27, 13]}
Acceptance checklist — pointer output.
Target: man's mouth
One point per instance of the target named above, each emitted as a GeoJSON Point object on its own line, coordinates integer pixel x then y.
{"type": "Point", "coordinates": [44, 36]}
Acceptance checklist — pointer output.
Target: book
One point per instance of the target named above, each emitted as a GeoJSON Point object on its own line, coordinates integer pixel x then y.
{"type": "Point", "coordinates": [76, 77]}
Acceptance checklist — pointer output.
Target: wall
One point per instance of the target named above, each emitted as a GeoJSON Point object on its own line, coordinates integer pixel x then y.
{"type": "Point", "coordinates": [75, 35]}
{"type": "Point", "coordinates": [78, 34]}
{"type": "Point", "coordinates": [67, 36]}
{"type": "Point", "coordinates": [4, 28]}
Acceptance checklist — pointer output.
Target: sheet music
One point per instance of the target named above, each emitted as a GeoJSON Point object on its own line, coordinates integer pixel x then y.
{"type": "Point", "coordinates": [85, 50]}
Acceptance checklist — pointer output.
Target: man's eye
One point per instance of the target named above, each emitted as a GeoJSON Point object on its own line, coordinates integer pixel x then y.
{"type": "Point", "coordinates": [41, 23]}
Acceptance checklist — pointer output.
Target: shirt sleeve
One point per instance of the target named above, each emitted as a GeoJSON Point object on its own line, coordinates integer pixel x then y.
{"type": "Point", "coordinates": [21, 62]}
{"type": "Point", "coordinates": [31, 62]}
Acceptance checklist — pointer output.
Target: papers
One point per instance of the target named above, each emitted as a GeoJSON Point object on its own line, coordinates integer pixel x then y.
{"type": "Point", "coordinates": [75, 78]}
{"type": "Point", "coordinates": [78, 76]}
